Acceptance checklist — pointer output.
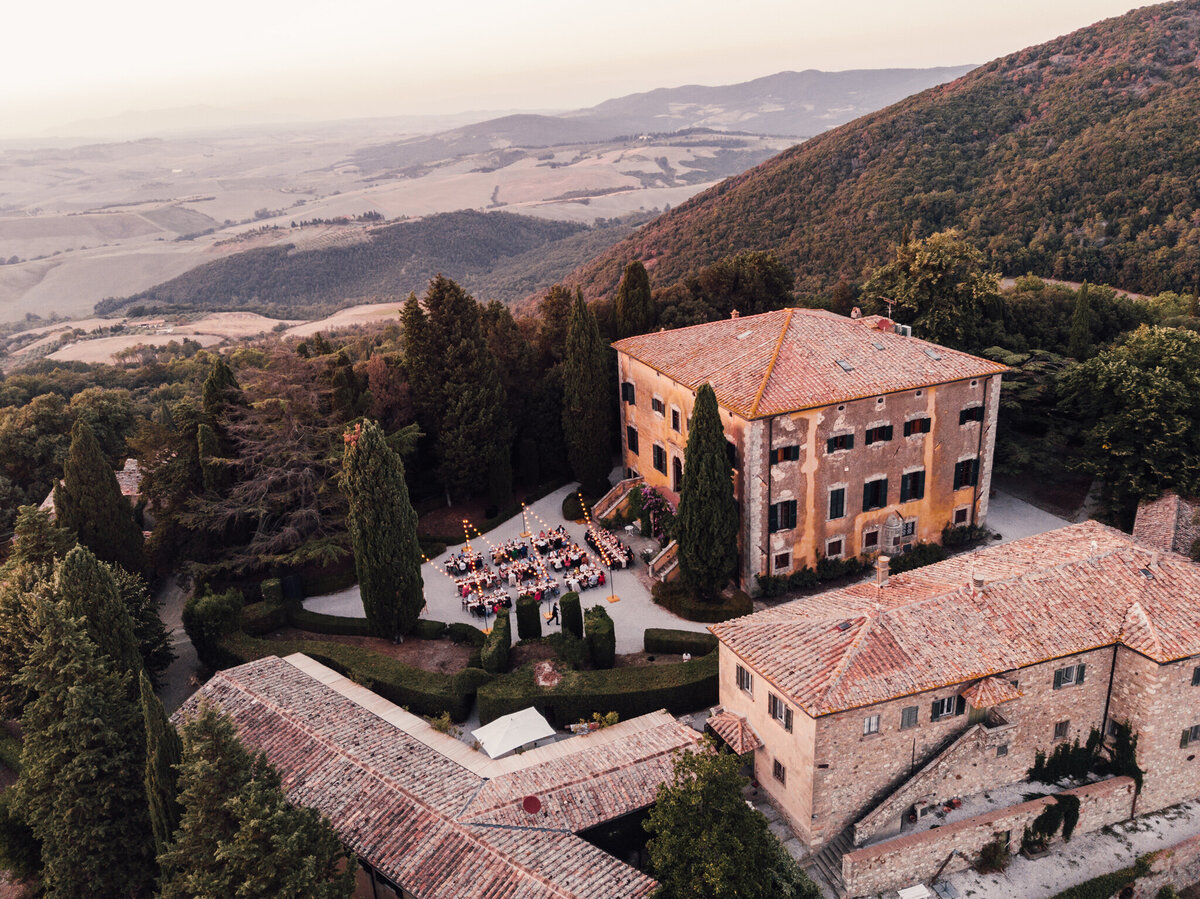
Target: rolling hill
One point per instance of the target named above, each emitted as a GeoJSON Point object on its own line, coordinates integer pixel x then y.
{"type": "Point", "coordinates": [1074, 159]}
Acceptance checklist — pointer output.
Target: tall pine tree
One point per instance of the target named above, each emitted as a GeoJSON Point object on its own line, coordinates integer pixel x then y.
{"type": "Point", "coordinates": [383, 531]}
{"type": "Point", "coordinates": [1079, 346]}
{"type": "Point", "coordinates": [707, 522]}
{"type": "Point", "coordinates": [81, 780]}
{"type": "Point", "coordinates": [237, 837]}
{"type": "Point", "coordinates": [163, 753]}
{"type": "Point", "coordinates": [634, 307]}
{"type": "Point", "coordinates": [87, 591]}
{"type": "Point", "coordinates": [89, 503]}
{"type": "Point", "coordinates": [585, 415]}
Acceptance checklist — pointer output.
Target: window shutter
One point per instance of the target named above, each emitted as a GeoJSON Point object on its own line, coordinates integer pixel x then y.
{"type": "Point", "coordinates": [787, 720]}
{"type": "Point", "coordinates": [829, 445]}
{"type": "Point", "coordinates": [887, 433]}
{"type": "Point", "coordinates": [907, 428]}
{"type": "Point", "coordinates": [1058, 679]}
{"type": "Point", "coordinates": [1183, 741]}
{"type": "Point", "coordinates": [960, 706]}
{"type": "Point", "coordinates": [934, 710]}
{"type": "Point", "coordinates": [1079, 669]}
{"type": "Point", "coordinates": [773, 518]}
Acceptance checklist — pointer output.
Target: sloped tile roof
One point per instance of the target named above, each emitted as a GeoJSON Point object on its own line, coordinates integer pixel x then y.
{"type": "Point", "coordinates": [777, 362]}
{"type": "Point", "coordinates": [989, 692]}
{"type": "Point", "coordinates": [735, 731]}
{"type": "Point", "coordinates": [429, 823]}
{"type": "Point", "coordinates": [1043, 597]}
{"type": "Point", "coordinates": [1169, 523]}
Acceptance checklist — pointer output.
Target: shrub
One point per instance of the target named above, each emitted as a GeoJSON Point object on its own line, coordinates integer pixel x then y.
{"type": "Point", "coordinates": [993, 857]}
{"type": "Point", "coordinates": [431, 546]}
{"type": "Point", "coordinates": [475, 658]}
{"type": "Point", "coordinates": [571, 508]}
{"type": "Point", "coordinates": [495, 652]}
{"type": "Point", "coordinates": [429, 630]}
{"type": "Point", "coordinates": [676, 598]}
{"type": "Point", "coordinates": [207, 617]}
{"type": "Point", "coordinates": [10, 751]}
{"type": "Point", "coordinates": [920, 555]}
{"type": "Point", "coordinates": [272, 591]}
{"type": "Point", "coordinates": [572, 615]}
{"type": "Point", "coordinates": [678, 688]}
{"type": "Point", "coordinates": [1167, 892]}
{"type": "Point", "coordinates": [466, 633]}
{"type": "Point", "coordinates": [830, 569]}
{"type": "Point", "coordinates": [771, 585]}
{"type": "Point", "coordinates": [601, 637]}
{"type": "Point", "coordinates": [675, 642]}
{"type": "Point", "coordinates": [803, 579]}
{"type": "Point", "coordinates": [529, 618]}
{"type": "Point", "coordinates": [20, 850]}
{"type": "Point", "coordinates": [329, 624]}
{"type": "Point", "coordinates": [963, 535]}
{"type": "Point", "coordinates": [263, 617]}
{"type": "Point", "coordinates": [569, 648]}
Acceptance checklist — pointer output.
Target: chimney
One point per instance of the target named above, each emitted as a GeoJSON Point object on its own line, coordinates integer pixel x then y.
{"type": "Point", "coordinates": [881, 571]}
{"type": "Point", "coordinates": [976, 580]}
{"type": "Point", "coordinates": [856, 312]}
{"type": "Point", "coordinates": [733, 314]}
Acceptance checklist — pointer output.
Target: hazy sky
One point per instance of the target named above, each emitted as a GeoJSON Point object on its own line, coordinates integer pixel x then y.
{"type": "Point", "coordinates": [65, 60]}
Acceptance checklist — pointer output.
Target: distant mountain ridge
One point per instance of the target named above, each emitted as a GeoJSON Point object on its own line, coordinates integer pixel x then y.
{"type": "Point", "coordinates": [1075, 159]}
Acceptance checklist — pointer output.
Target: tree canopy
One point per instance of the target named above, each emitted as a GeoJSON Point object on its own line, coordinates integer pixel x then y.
{"type": "Point", "coordinates": [633, 309]}
{"type": "Point", "coordinates": [587, 392]}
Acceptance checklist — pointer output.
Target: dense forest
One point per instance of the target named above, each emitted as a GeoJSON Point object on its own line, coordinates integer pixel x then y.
{"type": "Point", "coordinates": [1074, 159]}
{"type": "Point", "coordinates": [497, 255]}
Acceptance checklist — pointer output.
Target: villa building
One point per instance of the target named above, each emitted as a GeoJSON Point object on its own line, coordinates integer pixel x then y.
{"type": "Point", "coordinates": [846, 436]}
{"type": "Point", "coordinates": [871, 706]}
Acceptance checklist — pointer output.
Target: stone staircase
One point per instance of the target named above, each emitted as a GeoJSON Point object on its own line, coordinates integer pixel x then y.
{"type": "Point", "coordinates": [826, 865]}
{"type": "Point", "coordinates": [614, 499]}
{"type": "Point", "coordinates": [665, 565]}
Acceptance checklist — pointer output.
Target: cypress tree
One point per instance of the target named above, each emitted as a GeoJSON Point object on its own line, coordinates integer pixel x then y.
{"type": "Point", "coordinates": [80, 787]}
{"type": "Point", "coordinates": [37, 542]}
{"type": "Point", "coordinates": [151, 635]}
{"type": "Point", "coordinates": [89, 503]}
{"type": "Point", "coordinates": [707, 523]}
{"type": "Point", "coordinates": [585, 416]}
{"type": "Point", "coordinates": [220, 388]}
{"type": "Point", "coordinates": [87, 590]}
{"type": "Point", "coordinates": [163, 753]}
{"type": "Point", "coordinates": [1079, 346]}
{"type": "Point", "coordinates": [383, 531]}
{"type": "Point", "coordinates": [634, 307]}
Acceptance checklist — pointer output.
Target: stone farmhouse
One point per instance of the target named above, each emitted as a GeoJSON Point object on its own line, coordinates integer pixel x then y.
{"type": "Point", "coordinates": [868, 707]}
{"type": "Point", "coordinates": [846, 436]}
{"type": "Point", "coordinates": [428, 816]}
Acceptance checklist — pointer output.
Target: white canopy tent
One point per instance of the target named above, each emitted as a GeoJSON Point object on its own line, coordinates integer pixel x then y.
{"type": "Point", "coordinates": [512, 731]}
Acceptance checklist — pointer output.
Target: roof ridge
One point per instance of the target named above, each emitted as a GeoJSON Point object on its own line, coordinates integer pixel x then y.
{"type": "Point", "coordinates": [849, 655]}
{"type": "Point", "coordinates": [787, 323]}
{"type": "Point", "coordinates": [1141, 619]}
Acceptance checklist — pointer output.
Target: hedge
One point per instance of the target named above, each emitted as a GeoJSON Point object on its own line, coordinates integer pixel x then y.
{"type": "Point", "coordinates": [676, 642]}
{"type": "Point", "coordinates": [572, 614]}
{"type": "Point", "coordinates": [572, 510]}
{"type": "Point", "coordinates": [317, 623]}
{"type": "Point", "coordinates": [272, 591]}
{"type": "Point", "coordinates": [601, 637]}
{"type": "Point", "coordinates": [466, 633]}
{"type": "Point", "coordinates": [263, 617]}
{"type": "Point", "coordinates": [10, 751]}
{"type": "Point", "coordinates": [429, 630]}
{"type": "Point", "coordinates": [494, 654]}
{"type": "Point", "coordinates": [1107, 885]}
{"type": "Point", "coordinates": [529, 618]}
{"type": "Point", "coordinates": [207, 619]}
{"type": "Point", "coordinates": [919, 556]}
{"type": "Point", "coordinates": [679, 688]}
{"type": "Point", "coordinates": [421, 692]}
{"type": "Point", "coordinates": [678, 599]}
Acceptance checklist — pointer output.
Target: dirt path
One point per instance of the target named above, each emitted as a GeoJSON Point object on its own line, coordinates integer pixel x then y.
{"type": "Point", "coordinates": [443, 656]}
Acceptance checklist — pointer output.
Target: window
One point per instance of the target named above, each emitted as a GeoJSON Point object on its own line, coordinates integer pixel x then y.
{"type": "Point", "coordinates": [676, 420]}
{"type": "Point", "coordinates": [783, 561]}
{"type": "Point", "coordinates": [871, 539]}
{"type": "Point", "coordinates": [875, 494]}
{"type": "Point", "coordinates": [1072, 674]}
{"type": "Point", "coordinates": [657, 406]}
{"type": "Point", "coordinates": [779, 772]}
{"type": "Point", "coordinates": [1190, 735]}
{"type": "Point", "coordinates": [870, 725]}
{"type": "Point", "coordinates": [837, 503]}
{"type": "Point", "coordinates": [745, 680]}
{"type": "Point", "coordinates": [1002, 750]}
{"type": "Point", "coordinates": [631, 440]}
{"type": "Point", "coordinates": [627, 392]}
{"type": "Point", "coordinates": [912, 486]}
{"type": "Point", "coordinates": [881, 434]}
{"type": "Point", "coordinates": [779, 711]}
{"type": "Point", "coordinates": [1196, 677]}
{"type": "Point", "coordinates": [966, 473]}
{"type": "Point", "coordinates": [916, 426]}
{"type": "Point", "coordinates": [960, 516]}
{"type": "Point", "coordinates": [840, 442]}
{"type": "Point", "coordinates": [660, 459]}
{"type": "Point", "coordinates": [971, 413]}
{"type": "Point", "coordinates": [908, 717]}
{"type": "Point", "coordinates": [948, 707]}
{"type": "Point", "coordinates": [833, 548]}
{"type": "Point", "coordinates": [781, 516]}
{"type": "Point", "coordinates": [731, 452]}
{"type": "Point", "coordinates": [1061, 729]}
{"type": "Point", "coordinates": [908, 528]}
{"type": "Point", "coordinates": [785, 454]}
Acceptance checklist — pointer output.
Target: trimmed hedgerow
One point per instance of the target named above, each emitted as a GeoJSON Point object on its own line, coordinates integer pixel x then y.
{"type": "Point", "coordinates": [421, 692]}
{"type": "Point", "coordinates": [429, 630]}
{"type": "Point", "coordinates": [601, 637]}
{"type": "Point", "coordinates": [679, 688]}
{"type": "Point", "coordinates": [676, 642]}
{"type": "Point", "coordinates": [465, 633]}
{"type": "Point", "coordinates": [674, 597]}
{"type": "Point", "coordinates": [263, 617]}
{"type": "Point", "coordinates": [272, 591]}
{"type": "Point", "coordinates": [207, 618]}
{"type": "Point", "coordinates": [572, 615]}
{"type": "Point", "coordinates": [529, 618]}
{"type": "Point", "coordinates": [316, 623]}
{"type": "Point", "coordinates": [494, 655]}
{"type": "Point", "coordinates": [919, 556]}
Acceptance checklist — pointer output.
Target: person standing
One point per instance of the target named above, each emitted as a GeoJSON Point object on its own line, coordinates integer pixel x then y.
{"type": "Point", "coordinates": [554, 614]}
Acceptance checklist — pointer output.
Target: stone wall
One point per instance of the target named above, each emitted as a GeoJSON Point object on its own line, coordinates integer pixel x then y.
{"type": "Point", "coordinates": [917, 857]}
{"type": "Point", "coordinates": [1178, 866]}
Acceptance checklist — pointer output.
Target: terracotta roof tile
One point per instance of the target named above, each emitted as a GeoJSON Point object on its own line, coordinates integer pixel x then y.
{"type": "Point", "coordinates": [430, 824]}
{"type": "Point", "coordinates": [777, 362]}
{"type": "Point", "coordinates": [989, 692]}
{"type": "Point", "coordinates": [1170, 523]}
{"type": "Point", "coordinates": [1043, 597]}
{"type": "Point", "coordinates": [735, 731]}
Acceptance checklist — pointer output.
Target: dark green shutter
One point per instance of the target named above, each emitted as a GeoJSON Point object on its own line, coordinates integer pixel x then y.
{"type": "Point", "coordinates": [1079, 674]}
{"type": "Point", "coordinates": [960, 706]}
{"type": "Point", "coordinates": [773, 519]}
